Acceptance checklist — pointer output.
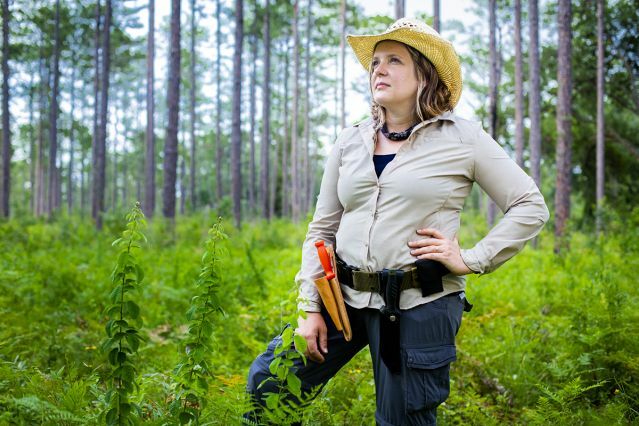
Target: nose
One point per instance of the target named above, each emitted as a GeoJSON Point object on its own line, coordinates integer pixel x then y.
{"type": "Point", "coordinates": [380, 69]}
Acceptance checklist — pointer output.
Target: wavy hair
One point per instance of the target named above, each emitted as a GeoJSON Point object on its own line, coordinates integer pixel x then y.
{"type": "Point", "coordinates": [432, 97]}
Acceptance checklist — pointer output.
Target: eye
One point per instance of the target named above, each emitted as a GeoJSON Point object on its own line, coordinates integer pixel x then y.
{"type": "Point", "coordinates": [374, 63]}
{"type": "Point", "coordinates": [396, 60]}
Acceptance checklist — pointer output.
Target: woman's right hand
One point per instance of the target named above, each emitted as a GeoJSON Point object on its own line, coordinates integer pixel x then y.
{"type": "Point", "coordinates": [313, 329]}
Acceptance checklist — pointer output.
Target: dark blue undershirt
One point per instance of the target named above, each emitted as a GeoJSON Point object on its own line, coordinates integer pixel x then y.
{"type": "Point", "coordinates": [381, 161]}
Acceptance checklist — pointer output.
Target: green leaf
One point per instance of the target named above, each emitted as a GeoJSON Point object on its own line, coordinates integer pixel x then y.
{"type": "Point", "coordinates": [300, 343]}
{"type": "Point", "coordinates": [294, 384]}
{"type": "Point", "coordinates": [131, 309]}
{"type": "Point", "coordinates": [186, 417]}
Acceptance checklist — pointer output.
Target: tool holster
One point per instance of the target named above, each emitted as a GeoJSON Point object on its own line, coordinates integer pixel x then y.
{"type": "Point", "coordinates": [390, 281]}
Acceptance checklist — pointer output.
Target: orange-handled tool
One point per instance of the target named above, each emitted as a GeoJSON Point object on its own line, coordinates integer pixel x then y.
{"type": "Point", "coordinates": [325, 260]}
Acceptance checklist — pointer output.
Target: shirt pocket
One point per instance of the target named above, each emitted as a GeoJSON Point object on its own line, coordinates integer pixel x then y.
{"type": "Point", "coordinates": [427, 376]}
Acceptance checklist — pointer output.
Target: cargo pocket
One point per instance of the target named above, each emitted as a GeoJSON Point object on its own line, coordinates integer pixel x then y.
{"type": "Point", "coordinates": [427, 376]}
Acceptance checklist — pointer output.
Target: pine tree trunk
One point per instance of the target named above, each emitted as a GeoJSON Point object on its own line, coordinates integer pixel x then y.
{"type": "Point", "coordinates": [173, 106]}
{"type": "Point", "coordinates": [564, 118]}
{"type": "Point", "coordinates": [252, 99]}
{"type": "Point", "coordinates": [284, 164]}
{"type": "Point", "coordinates": [219, 150]}
{"type": "Point", "coordinates": [534, 93]}
{"type": "Point", "coordinates": [493, 91]}
{"type": "Point", "coordinates": [266, 125]}
{"type": "Point", "coordinates": [193, 115]}
{"type": "Point", "coordinates": [236, 132]}
{"type": "Point", "coordinates": [519, 89]}
{"type": "Point", "coordinates": [53, 115]}
{"type": "Point", "coordinates": [96, 114]}
{"type": "Point", "coordinates": [436, 16]}
{"type": "Point", "coordinates": [182, 185]}
{"type": "Point", "coordinates": [400, 9]}
{"type": "Point", "coordinates": [306, 165]}
{"type": "Point", "coordinates": [149, 155]}
{"type": "Point", "coordinates": [32, 145]}
{"type": "Point", "coordinates": [104, 109]}
{"type": "Point", "coordinates": [6, 131]}
{"type": "Point", "coordinates": [41, 167]}
{"type": "Point", "coordinates": [70, 185]}
{"type": "Point", "coordinates": [342, 55]}
{"type": "Point", "coordinates": [295, 181]}
{"type": "Point", "coordinates": [600, 112]}
{"type": "Point", "coordinates": [114, 158]}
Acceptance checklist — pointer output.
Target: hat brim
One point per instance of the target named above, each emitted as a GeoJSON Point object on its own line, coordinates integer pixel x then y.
{"type": "Point", "coordinates": [438, 51]}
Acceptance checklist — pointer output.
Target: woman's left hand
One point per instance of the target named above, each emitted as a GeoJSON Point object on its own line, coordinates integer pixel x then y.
{"type": "Point", "coordinates": [439, 248]}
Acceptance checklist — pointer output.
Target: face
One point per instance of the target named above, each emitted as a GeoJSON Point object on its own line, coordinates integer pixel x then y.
{"type": "Point", "coordinates": [393, 80]}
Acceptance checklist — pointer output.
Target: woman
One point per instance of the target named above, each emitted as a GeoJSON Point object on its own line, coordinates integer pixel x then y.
{"type": "Point", "coordinates": [393, 188]}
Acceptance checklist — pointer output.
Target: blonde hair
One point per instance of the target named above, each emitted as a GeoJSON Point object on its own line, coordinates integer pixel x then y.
{"type": "Point", "coordinates": [432, 97]}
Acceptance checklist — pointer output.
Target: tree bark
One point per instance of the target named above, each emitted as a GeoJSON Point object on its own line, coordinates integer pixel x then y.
{"type": "Point", "coordinates": [284, 165]}
{"type": "Point", "coordinates": [252, 107]}
{"type": "Point", "coordinates": [436, 16]}
{"type": "Point", "coordinates": [53, 116]}
{"type": "Point", "coordinates": [295, 181]}
{"type": "Point", "coordinates": [173, 105]}
{"type": "Point", "coordinates": [70, 185]}
{"type": "Point", "coordinates": [400, 9]}
{"type": "Point", "coordinates": [534, 93]}
{"type": "Point", "coordinates": [342, 55]}
{"type": "Point", "coordinates": [149, 155]}
{"type": "Point", "coordinates": [193, 115]}
{"type": "Point", "coordinates": [306, 165]}
{"type": "Point", "coordinates": [100, 169]}
{"type": "Point", "coordinates": [493, 90]}
{"type": "Point", "coordinates": [96, 113]}
{"type": "Point", "coordinates": [40, 166]}
{"type": "Point", "coordinates": [519, 89]}
{"type": "Point", "coordinates": [266, 125]}
{"type": "Point", "coordinates": [564, 118]}
{"type": "Point", "coordinates": [6, 130]}
{"type": "Point", "coordinates": [32, 144]}
{"type": "Point", "coordinates": [219, 150]}
{"type": "Point", "coordinates": [236, 133]}
{"type": "Point", "coordinates": [600, 113]}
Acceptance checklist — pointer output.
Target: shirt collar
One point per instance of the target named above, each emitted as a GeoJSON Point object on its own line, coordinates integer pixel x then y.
{"type": "Point", "coordinates": [366, 127]}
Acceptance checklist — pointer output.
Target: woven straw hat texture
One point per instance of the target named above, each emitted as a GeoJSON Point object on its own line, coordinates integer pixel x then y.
{"type": "Point", "coordinates": [439, 51]}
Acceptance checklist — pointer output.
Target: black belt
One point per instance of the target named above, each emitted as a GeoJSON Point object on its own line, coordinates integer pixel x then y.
{"type": "Point", "coordinates": [426, 275]}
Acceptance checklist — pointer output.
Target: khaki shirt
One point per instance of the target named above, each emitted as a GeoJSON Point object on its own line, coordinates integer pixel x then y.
{"type": "Point", "coordinates": [370, 221]}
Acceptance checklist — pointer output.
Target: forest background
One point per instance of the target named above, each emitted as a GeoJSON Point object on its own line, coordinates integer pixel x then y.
{"type": "Point", "coordinates": [249, 97]}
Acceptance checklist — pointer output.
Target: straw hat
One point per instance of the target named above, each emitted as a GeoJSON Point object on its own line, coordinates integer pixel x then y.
{"type": "Point", "coordinates": [426, 40]}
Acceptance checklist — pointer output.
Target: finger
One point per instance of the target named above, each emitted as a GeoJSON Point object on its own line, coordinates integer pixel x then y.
{"type": "Point", "coordinates": [425, 242]}
{"type": "Point", "coordinates": [323, 340]}
{"type": "Point", "coordinates": [428, 249]}
{"type": "Point", "coordinates": [433, 256]}
{"type": "Point", "coordinates": [431, 231]}
{"type": "Point", "coordinates": [313, 353]}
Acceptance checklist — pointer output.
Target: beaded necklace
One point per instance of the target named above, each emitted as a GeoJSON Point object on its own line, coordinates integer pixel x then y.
{"type": "Point", "coordinates": [397, 136]}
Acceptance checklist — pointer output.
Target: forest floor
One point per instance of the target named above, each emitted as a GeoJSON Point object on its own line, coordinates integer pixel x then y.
{"type": "Point", "coordinates": [551, 338]}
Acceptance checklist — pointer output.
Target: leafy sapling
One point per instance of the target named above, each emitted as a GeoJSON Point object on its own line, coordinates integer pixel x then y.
{"type": "Point", "coordinates": [122, 328]}
{"type": "Point", "coordinates": [193, 371]}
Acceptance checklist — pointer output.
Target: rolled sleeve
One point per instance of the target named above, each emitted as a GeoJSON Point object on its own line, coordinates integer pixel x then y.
{"type": "Point", "coordinates": [518, 197]}
{"type": "Point", "coordinates": [326, 220]}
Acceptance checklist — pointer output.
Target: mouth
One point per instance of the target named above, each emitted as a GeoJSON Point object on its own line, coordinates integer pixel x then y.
{"type": "Point", "coordinates": [379, 85]}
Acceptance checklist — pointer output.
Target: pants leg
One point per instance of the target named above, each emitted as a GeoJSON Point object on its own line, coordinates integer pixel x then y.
{"type": "Point", "coordinates": [427, 340]}
{"type": "Point", "coordinates": [312, 374]}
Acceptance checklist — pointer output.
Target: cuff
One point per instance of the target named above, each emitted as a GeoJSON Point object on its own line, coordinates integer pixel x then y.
{"type": "Point", "coordinates": [470, 259]}
{"type": "Point", "coordinates": [309, 306]}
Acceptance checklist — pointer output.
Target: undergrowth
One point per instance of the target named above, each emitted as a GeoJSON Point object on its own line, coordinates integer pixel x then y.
{"type": "Point", "coordinates": [551, 339]}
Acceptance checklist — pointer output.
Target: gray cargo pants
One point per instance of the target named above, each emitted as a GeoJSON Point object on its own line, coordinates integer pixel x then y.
{"type": "Point", "coordinates": [427, 339]}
